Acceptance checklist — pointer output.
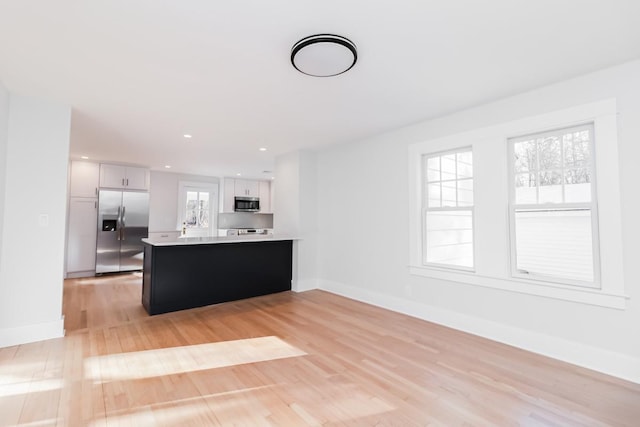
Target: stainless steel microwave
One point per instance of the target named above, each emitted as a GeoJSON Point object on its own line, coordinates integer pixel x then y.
{"type": "Point", "coordinates": [246, 204]}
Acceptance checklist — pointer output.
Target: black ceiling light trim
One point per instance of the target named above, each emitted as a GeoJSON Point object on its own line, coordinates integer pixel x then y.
{"type": "Point", "coordinates": [323, 38]}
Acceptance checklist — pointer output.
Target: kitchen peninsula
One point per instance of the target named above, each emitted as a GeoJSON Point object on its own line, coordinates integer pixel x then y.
{"type": "Point", "coordinates": [197, 271]}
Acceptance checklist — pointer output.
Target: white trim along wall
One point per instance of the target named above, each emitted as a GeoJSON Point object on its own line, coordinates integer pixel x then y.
{"type": "Point", "coordinates": [367, 216]}
{"type": "Point", "coordinates": [598, 359]}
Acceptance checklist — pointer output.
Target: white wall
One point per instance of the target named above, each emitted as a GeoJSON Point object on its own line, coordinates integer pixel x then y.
{"type": "Point", "coordinates": [4, 134]}
{"type": "Point", "coordinates": [163, 198]}
{"type": "Point", "coordinates": [286, 200]}
{"type": "Point", "coordinates": [295, 207]}
{"type": "Point", "coordinates": [363, 243]}
{"type": "Point", "coordinates": [33, 231]}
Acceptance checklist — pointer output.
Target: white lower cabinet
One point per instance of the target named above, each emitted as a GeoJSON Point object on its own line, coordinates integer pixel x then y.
{"type": "Point", "coordinates": [81, 240]}
{"type": "Point", "coordinates": [164, 236]}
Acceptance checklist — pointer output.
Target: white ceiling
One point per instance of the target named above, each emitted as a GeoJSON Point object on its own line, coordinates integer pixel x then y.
{"type": "Point", "coordinates": [140, 74]}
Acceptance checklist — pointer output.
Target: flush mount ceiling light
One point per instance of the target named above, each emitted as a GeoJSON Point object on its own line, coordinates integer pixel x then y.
{"type": "Point", "coordinates": [324, 55]}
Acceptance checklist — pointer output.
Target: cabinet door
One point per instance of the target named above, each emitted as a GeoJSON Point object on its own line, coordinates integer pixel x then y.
{"type": "Point", "coordinates": [228, 194]}
{"type": "Point", "coordinates": [265, 196]}
{"type": "Point", "coordinates": [240, 187]}
{"type": "Point", "coordinates": [136, 178]}
{"type": "Point", "coordinates": [112, 176]}
{"type": "Point", "coordinates": [81, 241]}
{"type": "Point", "coordinates": [247, 188]}
{"type": "Point", "coordinates": [253, 188]}
{"type": "Point", "coordinates": [85, 179]}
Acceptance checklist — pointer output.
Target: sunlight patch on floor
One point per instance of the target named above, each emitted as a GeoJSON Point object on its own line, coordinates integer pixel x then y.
{"type": "Point", "coordinates": [24, 387]}
{"type": "Point", "coordinates": [345, 400]}
{"type": "Point", "coordinates": [197, 410]}
{"type": "Point", "coordinates": [13, 372]}
{"type": "Point", "coordinates": [174, 360]}
{"type": "Point", "coordinates": [251, 406]}
{"type": "Point", "coordinates": [48, 423]}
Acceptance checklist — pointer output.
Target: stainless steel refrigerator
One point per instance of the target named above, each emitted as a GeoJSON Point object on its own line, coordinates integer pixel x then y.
{"type": "Point", "coordinates": [123, 219]}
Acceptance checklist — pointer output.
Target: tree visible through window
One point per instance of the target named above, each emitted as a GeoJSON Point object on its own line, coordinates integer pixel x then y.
{"type": "Point", "coordinates": [553, 212]}
{"type": "Point", "coordinates": [197, 204]}
{"type": "Point", "coordinates": [197, 209]}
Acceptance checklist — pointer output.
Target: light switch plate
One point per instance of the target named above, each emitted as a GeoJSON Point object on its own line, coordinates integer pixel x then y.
{"type": "Point", "coordinates": [43, 220]}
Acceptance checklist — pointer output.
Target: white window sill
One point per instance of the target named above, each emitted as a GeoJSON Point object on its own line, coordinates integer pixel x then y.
{"type": "Point", "coordinates": [545, 289]}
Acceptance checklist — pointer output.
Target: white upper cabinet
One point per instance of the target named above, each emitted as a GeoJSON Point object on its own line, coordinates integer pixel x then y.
{"type": "Point", "coordinates": [265, 196]}
{"type": "Point", "coordinates": [124, 177]}
{"type": "Point", "coordinates": [85, 179]}
{"type": "Point", "coordinates": [112, 176]}
{"type": "Point", "coordinates": [228, 193]}
{"type": "Point", "coordinates": [137, 178]}
{"type": "Point", "coordinates": [232, 188]}
{"type": "Point", "coordinates": [247, 188]}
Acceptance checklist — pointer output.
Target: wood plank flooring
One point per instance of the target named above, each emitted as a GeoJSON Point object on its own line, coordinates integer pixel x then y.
{"type": "Point", "coordinates": [287, 360]}
{"type": "Point", "coordinates": [93, 302]}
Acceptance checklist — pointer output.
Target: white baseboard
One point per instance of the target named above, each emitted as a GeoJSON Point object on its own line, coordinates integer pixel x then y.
{"type": "Point", "coordinates": [304, 285]}
{"type": "Point", "coordinates": [31, 333]}
{"type": "Point", "coordinates": [595, 358]}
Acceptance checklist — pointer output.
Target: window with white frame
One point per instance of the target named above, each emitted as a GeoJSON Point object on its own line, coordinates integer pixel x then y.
{"type": "Point", "coordinates": [536, 223]}
{"type": "Point", "coordinates": [197, 207]}
{"type": "Point", "coordinates": [447, 212]}
{"type": "Point", "coordinates": [553, 215]}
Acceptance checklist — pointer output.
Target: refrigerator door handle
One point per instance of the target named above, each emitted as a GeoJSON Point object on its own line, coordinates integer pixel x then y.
{"type": "Point", "coordinates": [123, 224]}
{"type": "Point", "coordinates": [118, 224]}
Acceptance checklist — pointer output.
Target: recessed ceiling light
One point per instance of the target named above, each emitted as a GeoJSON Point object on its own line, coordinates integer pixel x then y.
{"type": "Point", "coordinates": [167, 166]}
{"type": "Point", "coordinates": [84, 157]}
{"type": "Point", "coordinates": [263, 149]}
{"type": "Point", "coordinates": [238, 174]}
{"type": "Point", "coordinates": [324, 55]}
{"type": "Point", "coordinates": [188, 136]}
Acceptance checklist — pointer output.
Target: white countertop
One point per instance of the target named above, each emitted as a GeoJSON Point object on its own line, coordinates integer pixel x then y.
{"type": "Point", "coordinates": [215, 240]}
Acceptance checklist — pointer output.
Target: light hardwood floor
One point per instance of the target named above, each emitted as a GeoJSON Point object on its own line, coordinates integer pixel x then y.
{"type": "Point", "coordinates": [287, 360]}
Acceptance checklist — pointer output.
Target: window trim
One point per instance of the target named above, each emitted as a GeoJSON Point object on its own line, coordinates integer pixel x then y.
{"type": "Point", "coordinates": [491, 222]}
{"type": "Point", "coordinates": [592, 206]}
{"type": "Point", "coordinates": [426, 208]}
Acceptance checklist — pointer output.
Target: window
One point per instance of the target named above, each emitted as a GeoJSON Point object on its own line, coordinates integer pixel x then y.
{"type": "Point", "coordinates": [197, 207]}
{"type": "Point", "coordinates": [532, 213]}
{"type": "Point", "coordinates": [552, 206]}
{"type": "Point", "coordinates": [533, 223]}
{"type": "Point", "coordinates": [448, 209]}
